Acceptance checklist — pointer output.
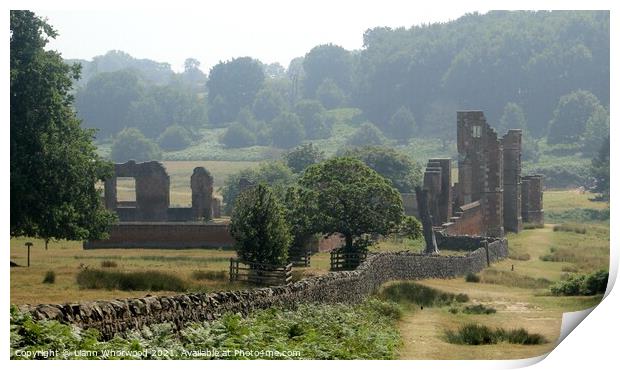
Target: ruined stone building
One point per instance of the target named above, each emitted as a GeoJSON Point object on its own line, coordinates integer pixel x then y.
{"type": "Point", "coordinates": [150, 222]}
{"type": "Point", "coordinates": [490, 197]}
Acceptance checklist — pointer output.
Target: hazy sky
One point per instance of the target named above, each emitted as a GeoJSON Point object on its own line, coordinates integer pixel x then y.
{"type": "Point", "coordinates": [272, 31]}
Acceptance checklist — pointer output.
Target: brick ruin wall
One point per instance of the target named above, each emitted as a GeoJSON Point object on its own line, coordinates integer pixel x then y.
{"type": "Point", "coordinates": [467, 221]}
{"type": "Point", "coordinates": [165, 235]}
{"type": "Point", "coordinates": [116, 316]}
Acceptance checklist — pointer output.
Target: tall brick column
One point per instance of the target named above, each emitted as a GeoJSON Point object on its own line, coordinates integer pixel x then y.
{"type": "Point", "coordinates": [511, 143]}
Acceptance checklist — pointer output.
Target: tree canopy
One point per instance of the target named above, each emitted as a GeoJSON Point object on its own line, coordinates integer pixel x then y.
{"type": "Point", "coordinates": [351, 199]}
{"type": "Point", "coordinates": [397, 167]}
{"type": "Point", "coordinates": [54, 165]}
{"type": "Point", "coordinates": [259, 227]}
{"type": "Point", "coordinates": [236, 83]}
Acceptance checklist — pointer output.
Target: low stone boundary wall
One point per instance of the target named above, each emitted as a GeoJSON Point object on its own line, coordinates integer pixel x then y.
{"type": "Point", "coordinates": [116, 316]}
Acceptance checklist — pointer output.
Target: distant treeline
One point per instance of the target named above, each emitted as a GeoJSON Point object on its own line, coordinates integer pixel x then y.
{"type": "Point", "coordinates": [545, 72]}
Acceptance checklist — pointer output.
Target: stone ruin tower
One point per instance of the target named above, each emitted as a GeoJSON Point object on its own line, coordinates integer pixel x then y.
{"type": "Point", "coordinates": [490, 173]}
{"type": "Point", "coordinates": [481, 169]}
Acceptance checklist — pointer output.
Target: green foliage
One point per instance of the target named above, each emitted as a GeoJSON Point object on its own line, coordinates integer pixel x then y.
{"type": "Point", "coordinates": [472, 278]}
{"type": "Point", "coordinates": [412, 293]}
{"type": "Point", "coordinates": [513, 279]}
{"type": "Point", "coordinates": [139, 280]}
{"type": "Point", "coordinates": [578, 215]}
{"type": "Point", "coordinates": [303, 156]}
{"type": "Point", "coordinates": [571, 116]}
{"type": "Point", "coordinates": [54, 164]}
{"type": "Point", "coordinates": [390, 163]}
{"type": "Point", "coordinates": [314, 119]}
{"type": "Point", "coordinates": [367, 135]}
{"type": "Point", "coordinates": [570, 228]}
{"type": "Point", "coordinates": [600, 171]}
{"type": "Point", "coordinates": [131, 144]}
{"type": "Point", "coordinates": [330, 95]}
{"type": "Point", "coordinates": [477, 334]}
{"type": "Point", "coordinates": [590, 284]}
{"type": "Point", "coordinates": [275, 174]}
{"type": "Point", "coordinates": [513, 117]}
{"type": "Point", "coordinates": [175, 138]}
{"type": "Point", "coordinates": [351, 199]}
{"type": "Point", "coordinates": [235, 83]}
{"type": "Point", "coordinates": [50, 277]}
{"type": "Point", "coordinates": [484, 60]}
{"type": "Point", "coordinates": [327, 62]}
{"type": "Point", "coordinates": [596, 132]}
{"type": "Point", "coordinates": [259, 227]}
{"type": "Point", "coordinates": [238, 136]}
{"type": "Point", "coordinates": [410, 228]}
{"type": "Point", "coordinates": [402, 125]}
{"type": "Point", "coordinates": [107, 98]}
{"type": "Point", "coordinates": [268, 105]}
{"type": "Point", "coordinates": [300, 210]}
{"type": "Point", "coordinates": [479, 309]}
{"type": "Point", "coordinates": [286, 131]}
{"type": "Point", "coordinates": [116, 60]}
{"type": "Point", "coordinates": [365, 331]}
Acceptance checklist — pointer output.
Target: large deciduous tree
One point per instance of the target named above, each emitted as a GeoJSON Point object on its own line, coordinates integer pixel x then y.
{"type": "Point", "coordinates": [390, 163]}
{"type": "Point", "coordinates": [327, 62]}
{"type": "Point", "coordinates": [54, 165]}
{"type": "Point", "coordinates": [351, 199]}
{"type": "Point", "coordinates": [571, 116]}
{"type": "Point", "coordinates": [233, 85]}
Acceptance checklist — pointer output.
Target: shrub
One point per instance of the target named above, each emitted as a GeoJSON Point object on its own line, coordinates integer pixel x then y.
{"type": "Point", "coordinates": [472, 278]}
{"type": "Point", "coordinates": [477, 334]}
{"type": "Point", "coordinates": [50, 277]}
{"type": "Point", "coordinates": [303, 156]}
{"type": "Point", "coordinates": [472, 334]}
{"type": "Point", "coordinates": [175, 138]}
{"type": "Point", "coordinates": [528, 226]}
{"type": "Point", "coordinates": [513, 279]}
{"type": "Point", "coordinates": [108, 263]}
{"type": "Point", "coordinates": [578, 215]}
{"type": "Point", "coordinates": [147, 280]}
{"type": "Point", "coordinates": [591, 284]}
{"type": "Point", "coordinates": [409, 292]}
{"type": "Point", "coordinates": [520, 256]}
{"type": "Point", "coordinates": [131, 144]}
{"type": "Point", "coordinates": [238, 136]}
{"type": "Point", "coordinates": [570, 228]}
{"type": "Point", "coordinates": [367, 134]}
{"type": "Point", "coordinates": [479, 309]}
{"type": "Point", "coordinates": [286, 131]}
{"type": "Point", "coordinates": [210, 275]}
{"type": "Point", "coordinates": [314, 119]}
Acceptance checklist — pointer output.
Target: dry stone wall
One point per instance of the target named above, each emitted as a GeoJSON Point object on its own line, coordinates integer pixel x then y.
{"type": "Point", "coordinates": [117, 316]}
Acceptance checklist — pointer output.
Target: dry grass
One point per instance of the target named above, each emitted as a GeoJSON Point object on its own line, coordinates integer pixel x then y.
{"type": "Point", "coordinates": [563, 200]}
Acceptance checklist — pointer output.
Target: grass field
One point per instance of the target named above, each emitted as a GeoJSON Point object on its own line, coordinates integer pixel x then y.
{"type": "Point", "coordinates": [532, 308]}
{"type": "Point", "coordinates": [515, 287]}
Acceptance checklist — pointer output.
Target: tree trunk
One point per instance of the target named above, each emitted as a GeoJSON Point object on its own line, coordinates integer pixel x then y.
{"type": "Point", "coordinates": [348, 242]}
{"type": "Point", "coordinates": [427, 221]}
{"type": "Point", "coordinates": [46, 241]}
